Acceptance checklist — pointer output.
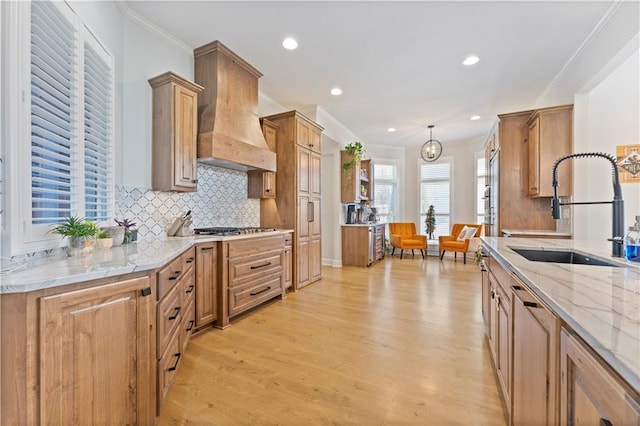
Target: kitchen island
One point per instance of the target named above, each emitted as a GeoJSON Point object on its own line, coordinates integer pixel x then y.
{"type": "Point", "coordinates": [595, 307]}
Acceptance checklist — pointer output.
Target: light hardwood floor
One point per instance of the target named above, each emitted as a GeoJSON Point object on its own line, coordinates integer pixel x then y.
{"type": "Point", "coordinates": [398, 343]}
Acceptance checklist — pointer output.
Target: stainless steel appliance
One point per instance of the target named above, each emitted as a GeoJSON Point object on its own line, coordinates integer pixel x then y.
{"type": "Point", "coordinates": [221, 231]}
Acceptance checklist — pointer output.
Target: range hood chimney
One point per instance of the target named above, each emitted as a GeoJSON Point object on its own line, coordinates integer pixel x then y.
{"type": "Point", "coordinates": [229, 133]}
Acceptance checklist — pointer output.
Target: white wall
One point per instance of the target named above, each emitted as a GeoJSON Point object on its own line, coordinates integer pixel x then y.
{"type": "Point", "coordinates": [606, 116]}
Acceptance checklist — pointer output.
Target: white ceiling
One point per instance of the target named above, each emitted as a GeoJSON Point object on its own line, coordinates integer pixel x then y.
{"type": "Point", "coordinates": [398, 63]}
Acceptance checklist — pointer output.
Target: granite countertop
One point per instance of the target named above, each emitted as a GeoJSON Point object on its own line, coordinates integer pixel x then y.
{"type": "Point", "coordinates": [600, 303]}
{"type": "Point", "coordinates": [58, 270]}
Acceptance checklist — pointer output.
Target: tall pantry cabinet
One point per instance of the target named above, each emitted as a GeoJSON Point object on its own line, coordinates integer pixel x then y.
{"type": "Point", "coordinates": [297, 202]}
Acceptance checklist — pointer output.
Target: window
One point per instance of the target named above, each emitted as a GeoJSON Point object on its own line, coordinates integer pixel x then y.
{"type": "Point", "coordinates": [435, 189]}
{"type": "Point", "coordinates": [385, 190]}
{"type": "Point", "coordinates": [481, 172]}
{"type": "Point", "coordinates": [66, 103]}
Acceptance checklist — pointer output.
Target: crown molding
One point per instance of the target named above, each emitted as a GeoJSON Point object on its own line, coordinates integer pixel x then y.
{"type": "Point", "coordinates": [136, 18]}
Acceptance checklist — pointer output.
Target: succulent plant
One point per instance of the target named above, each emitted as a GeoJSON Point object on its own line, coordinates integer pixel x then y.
{"type": "Point", "coordinates": [125, 222]}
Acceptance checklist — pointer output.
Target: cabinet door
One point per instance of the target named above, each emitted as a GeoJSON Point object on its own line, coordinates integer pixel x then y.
{"type": "Point", "coordinates": [288, 270]}
{"type": "Point", "coordinates": [535, 367]}
{"type": "Point", "coordinates": [503, 343]}
{"type": "Point", "coordinates": [185, 138]}
{"type": "Point", "coordinates": [533, 144]}
{"type": "Point", "coordinates": [314, 174]}
{"type": "Point", "coordinates": [315, 260]}
{"type": "Point", "coordinates": [304, 170]}
{"type": "Point", "coordinates": [206, 301]}
{"type": "Point", "coordinates": [302, 271]}
{"type": "Point", "coordinates": [96, 355]}
{"type": "Point", "coordinates": [303, 133]}
{"type": "Point", "coordinates": [314, 221]}
{"type": "Point", "coordinates": [305, 212]}
{"type": "Point", "coordinates": [589, 394]}
{"type": "Point", "coordinates": [315, 140]}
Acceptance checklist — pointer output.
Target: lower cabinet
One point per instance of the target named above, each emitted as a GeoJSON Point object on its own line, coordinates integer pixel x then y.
{"type": "Point", "coordinates": [362, 245]}
{"type": "Point", "coordinates": [95, 366]}
{"type": "Point", "coordinates": [206, 309]}
{"type": "Point", "coordinates": [287, 262]}
{"type": "Point", "coordinates": [535, 360]}
{"type": "Point", "coordinates": [589, 394]}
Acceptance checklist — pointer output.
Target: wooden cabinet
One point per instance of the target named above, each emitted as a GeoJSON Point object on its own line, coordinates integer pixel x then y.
{"type": "Point", "coordinates": [287, 262]}
{"type": "Point", "coordinates": [356, 181]}
{"type": "Point", "coordinates": [362, 245]}
{"type": "Point", "coordinates": [298, 193]}
{"type": "Point", "coordinates": [512, 207]}
{"type": "Point", "coordinates": [174, 317]}
{"type": "Point", "coordinates": [251, 273]}
{"type": "Point", "coordinates": [536, 333]}
{"type": "Point", "coordinates": [590, 393]}
{"type": "Point", "coordinates": [95, 355]}
{"type": "Point", "coordinates": [174, 134]}
{"type": "Point", "coordinates": [263, 184]}
{"type": "Point", "coordinates": [206, 306]}
{"type": "Point", "coordinates": [500, 327]}
{"type": "Point", "coordinates": [550, 133]}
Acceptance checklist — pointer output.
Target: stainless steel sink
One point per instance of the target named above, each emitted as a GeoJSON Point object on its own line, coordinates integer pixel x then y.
{"type": "Point", "coordinates": [561, 256]}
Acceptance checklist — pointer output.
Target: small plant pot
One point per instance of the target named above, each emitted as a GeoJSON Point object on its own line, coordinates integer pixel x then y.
{"type": "Point", "coordinates": [75, 245]}
{"type": "Point", "coordinates": [117, 233]}
{"type": "Point", "coordinates": [130, 236]}
{"type": "Point", "coordinates": [105, 243]}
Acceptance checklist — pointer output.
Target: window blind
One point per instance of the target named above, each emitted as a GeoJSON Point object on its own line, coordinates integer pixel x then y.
{"type": "Point", "coordinates": [385, 191]}
{"type": "Point", "coordinates": [97, 136]}
{"type": "Point", "coordinates": [53, 165]}
{"type": "Point", "coordinates": [435, 189]}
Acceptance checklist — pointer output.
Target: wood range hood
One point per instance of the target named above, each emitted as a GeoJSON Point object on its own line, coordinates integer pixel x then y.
{"type": "Point", "coordinates": [229, 132]}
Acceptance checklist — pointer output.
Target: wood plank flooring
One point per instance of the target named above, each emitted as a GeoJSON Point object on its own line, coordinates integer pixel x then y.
{"type": "Point", "coordinates": [399, 343]}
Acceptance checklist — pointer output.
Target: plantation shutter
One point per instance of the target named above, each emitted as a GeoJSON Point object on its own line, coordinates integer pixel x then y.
{"type": "Point", "coordinates": [97, 136]}
{"type": "Point", "coordinates": [435, 189]}
{"type": "Point", "coordinates": [53, 165]}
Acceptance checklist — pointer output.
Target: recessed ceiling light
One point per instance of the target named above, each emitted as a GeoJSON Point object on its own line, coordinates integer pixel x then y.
{"type": "Point", "coordinates": [391, 129]}
{"type": "Point", "coordinates": [471, 60]}
{"type": "Point", "coordinates": [336, 91]}
{"type": "Point", "coordinates": [475, 117]}
{"type": "Point", "coordinates": [289, 43]}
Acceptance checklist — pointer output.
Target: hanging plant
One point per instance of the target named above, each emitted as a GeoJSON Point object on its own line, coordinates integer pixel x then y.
{"type": "Point", "coordinates": [356, 151]}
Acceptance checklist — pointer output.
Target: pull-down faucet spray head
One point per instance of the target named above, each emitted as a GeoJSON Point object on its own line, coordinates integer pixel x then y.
{"type": "Point", "coordinates": [617, 203]}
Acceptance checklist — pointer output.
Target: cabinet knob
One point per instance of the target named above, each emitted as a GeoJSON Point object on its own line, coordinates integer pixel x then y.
{"type": "Point", "coordinates": [146, 291]}
{"type": "Point", "coordinates": [194, 181]}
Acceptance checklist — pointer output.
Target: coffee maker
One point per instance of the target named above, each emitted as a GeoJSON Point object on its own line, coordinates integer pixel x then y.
{"type": "Point", "coordinates": [373, 215]}
{"type": "Point", "coordinates": [352, 214]}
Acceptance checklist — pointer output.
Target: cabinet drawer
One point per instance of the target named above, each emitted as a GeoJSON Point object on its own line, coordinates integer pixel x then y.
{"type": "Point", "coordinates": [169, 276]}
{"type": "Point", "coordinates": [188, 259]}
{"type": "Point", "coordinates": [169, 316]}
{"type": "Point", "coordinates": [251, 246]}
{"type": "Point", "coordinates": [188, 324]}
{"type": "Point", "coordinates": [266, 263]}
{"type": "Point", "coordinates": [188, 286]}
{"type": "Point", "coordinates": [502, 277]}
{"type": "Point", "coordinates": [167, 367]}
{"type": "Point", "coordinates": [252, 293]}
{"type": "Point", "coordinates": [288, 237]}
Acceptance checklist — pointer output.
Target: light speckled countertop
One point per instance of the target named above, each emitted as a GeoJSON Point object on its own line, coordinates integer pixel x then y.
{"type": "Point", "coordinates": [600, 303]}
{"type": "Point", "coordinates": [58, 270]}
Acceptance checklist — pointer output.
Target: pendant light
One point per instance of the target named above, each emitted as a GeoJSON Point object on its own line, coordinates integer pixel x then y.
{"type": "Point", "coordinates": [432, 149]}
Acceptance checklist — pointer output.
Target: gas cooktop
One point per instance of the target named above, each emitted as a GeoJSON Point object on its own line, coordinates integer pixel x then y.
{"type": "Point", "coordinates": [230, 230]}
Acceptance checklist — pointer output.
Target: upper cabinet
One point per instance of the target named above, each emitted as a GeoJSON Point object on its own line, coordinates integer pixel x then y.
{"type": "Point", "coordinates": [356, 180]}
{"type": "Point", "coordinates": [263, 184]}
{"type": "Point", "coordinates": [550, 137]}
{"type": "Point", "coordinates": [175, 133]}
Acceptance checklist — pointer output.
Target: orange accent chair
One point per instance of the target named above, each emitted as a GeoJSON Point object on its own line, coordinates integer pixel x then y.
{"type": "Point", "coordinates": [403, 235]}
{"type": "Point", "coordinates": [458, 243]}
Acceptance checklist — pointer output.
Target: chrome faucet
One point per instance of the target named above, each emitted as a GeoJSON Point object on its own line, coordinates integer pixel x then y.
{"type": "Point", "coordinates": [617, 232]}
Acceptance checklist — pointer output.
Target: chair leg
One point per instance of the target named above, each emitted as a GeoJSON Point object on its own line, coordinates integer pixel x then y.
{"type": "Point", "coordinates": [412, 254]}
{"type": "Point", "coordinates": [422, 253]}
{"type": "Point", "coordinates": [441, 254]}
{"type": "Point", "coordinates": [455, 255]}
{"type": "Point", "coordinates": [393, 250]}
{"type": "Point", "coordinates": [401, 251]}
{"type": "Point", "coordinates": [464, 256]}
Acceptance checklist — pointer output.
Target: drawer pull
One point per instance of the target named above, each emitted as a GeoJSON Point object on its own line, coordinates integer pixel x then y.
{"type": "Point", "coordinates": [190, 259]}
{"type": "Point", "coordinates": [146, 291]}
{"type": "Point", "coordinates": [190, 289]}
{"type": "Point", "coordinates": [261, 291]}
{"type": "Point", "coordinates": [261, 266]}
{"type": "Point", "coordinates": [176, 364]}
{"type": "Point", "coordinates": [605, 422]}
{"type": "Point", "coordinates": [530, 304]}
{"type": "Point", "coordinates": [175, 313]}
{"type": "Point", "coordinates": [175, 275]}
{"type": "Point", "coordinates": [206, 248]}
{"type": "Point", "coordinates": [191, 323]}
{"type": "Point", "coordinates": [516, 287]}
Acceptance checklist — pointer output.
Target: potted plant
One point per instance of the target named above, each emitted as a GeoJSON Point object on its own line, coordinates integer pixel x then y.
{"type": "Point", "coordinates": [356, 151]}
{"type": "Point", "coordinates": [78, 231]}
{"type": "Point", "coordinates": [103, 239]}
{"type": "Point", "coordinates": [130, 233]}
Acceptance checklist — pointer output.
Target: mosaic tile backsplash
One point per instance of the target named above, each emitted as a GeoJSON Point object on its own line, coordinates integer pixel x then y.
{"type": "Point", "coordinates": [221, 200]}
